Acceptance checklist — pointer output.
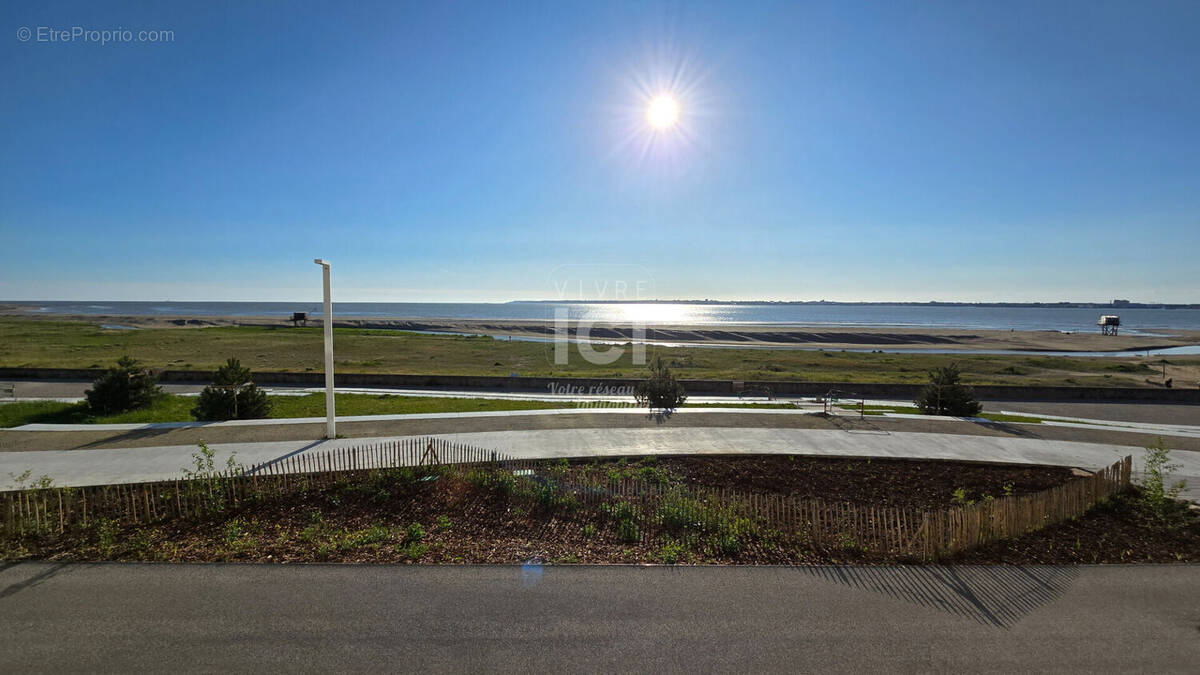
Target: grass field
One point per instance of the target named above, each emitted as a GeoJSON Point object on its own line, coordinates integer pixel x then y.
{"type": "Point", "coordinates": [35, 343]}
{"type": "Point", "coordinates": [171, 408]}
{"type": "Point", "coordinates": [913, 410]}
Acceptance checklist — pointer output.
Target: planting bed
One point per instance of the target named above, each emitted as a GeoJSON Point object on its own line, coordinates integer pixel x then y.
{"type": "Point", "coordinates": [444, 516]}
{"type": "Point", "coordinates": [868, 482]}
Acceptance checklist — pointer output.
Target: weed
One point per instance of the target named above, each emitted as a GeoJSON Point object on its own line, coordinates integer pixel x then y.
{"type": "Point", "coordinates": [106, 530]}
{"type": "Point", "coordinates": [627, 531]}
{"type": "Point", "coordinates": [501, 481]}
{"type": "Point", "coordinates": [589, 531]}
{"type": "Point", "coordinates": [371, 536]}
{"type": "Point", "coordinates": [45, 482]}
{"type": "Point", "coordinates": [414, 534]}
{"type": "Point", "coordinates": [671, 552]}
{"type": "Point", "coordinates": [310, 533]}
{"type": "Point", "coordinates": [442, 523]}
{"type": "Point", "coordinates": [413, 550]}
{"type": "Point", "coordinates": [620, 510]}
{"type": "Point", "coordinates": [726, 543]}
{"type": "Point", "coordinates": [233, 530]}
{"type": "Point", "coordinates": [652, 474]}
{"type": "Point", "coordinates": [140, 542]}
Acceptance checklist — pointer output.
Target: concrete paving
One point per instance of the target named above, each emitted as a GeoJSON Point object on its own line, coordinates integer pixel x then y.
{"type": "Point", "coordinates": [534, 618]}
{"type": "Point", "coordinates": [110, 465]}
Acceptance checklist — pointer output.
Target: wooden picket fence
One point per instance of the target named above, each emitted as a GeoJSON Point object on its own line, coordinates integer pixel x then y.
{"type": "Point", "coordinates": [657, 509]}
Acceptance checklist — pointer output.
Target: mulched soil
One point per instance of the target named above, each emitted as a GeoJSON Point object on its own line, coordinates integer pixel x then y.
{"type": "Point", "coordinates": [368, 522]}
{"type": "Point", "coordinates": [877, 482]}
{"type": "Point", "coordinates": [1120, 531]}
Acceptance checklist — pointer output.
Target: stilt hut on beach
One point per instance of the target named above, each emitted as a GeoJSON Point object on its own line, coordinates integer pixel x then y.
{"type": "Point", "coordinates": [1109, 323]}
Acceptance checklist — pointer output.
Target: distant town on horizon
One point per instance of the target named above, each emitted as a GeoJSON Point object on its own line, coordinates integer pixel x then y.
{"type": "Point", "coordinates": [927, 303]}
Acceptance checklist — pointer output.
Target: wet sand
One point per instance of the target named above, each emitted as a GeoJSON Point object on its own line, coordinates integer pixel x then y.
{"type": "Point", "coordinates": [759, 335]}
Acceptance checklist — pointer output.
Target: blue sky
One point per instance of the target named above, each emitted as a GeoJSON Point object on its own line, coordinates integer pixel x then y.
{"type": "Point", "coordinates": [448, 151]}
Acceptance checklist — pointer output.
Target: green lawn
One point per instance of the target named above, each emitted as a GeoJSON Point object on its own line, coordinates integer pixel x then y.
{"type": "Point", "coordinates": [61, 344]}
{"type": "Point", "coordinates": [171, 408]}
{"type": "Point", "coordinates": [913, 410]}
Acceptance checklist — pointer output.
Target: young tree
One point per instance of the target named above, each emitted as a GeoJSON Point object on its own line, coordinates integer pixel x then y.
{"type": "Point", "coordinates": [126, 387]}
{"type": "Point", "coordinates": [232, 396]}
{"type": "Point", "coordinates": [661, 389]}
{"type": "Point", "coordinates": [945, 396]}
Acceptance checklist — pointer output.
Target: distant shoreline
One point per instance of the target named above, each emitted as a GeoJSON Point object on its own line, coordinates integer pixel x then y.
{"type": "Point", "coordinates": [833, 303]}
{"type": "Point", "coordinates": [25, 305]}
{"type": "Point", "coordinates": [723, 335]}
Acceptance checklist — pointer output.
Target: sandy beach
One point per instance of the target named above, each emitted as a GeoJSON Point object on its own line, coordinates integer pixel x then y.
{"type": "Point", "coordinates": [760, 335]}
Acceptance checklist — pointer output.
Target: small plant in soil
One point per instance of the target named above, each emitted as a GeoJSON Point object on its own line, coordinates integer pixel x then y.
{"type": "Point", "coordinates": [1157, 492]}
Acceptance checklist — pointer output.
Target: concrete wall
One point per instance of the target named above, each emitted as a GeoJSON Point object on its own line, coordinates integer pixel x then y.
{"type": "Point", "coordinates": [586, 385]}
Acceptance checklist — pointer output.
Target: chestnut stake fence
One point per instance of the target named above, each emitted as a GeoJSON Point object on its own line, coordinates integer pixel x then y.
{"type": "Point", "coordinates": [656, 508]}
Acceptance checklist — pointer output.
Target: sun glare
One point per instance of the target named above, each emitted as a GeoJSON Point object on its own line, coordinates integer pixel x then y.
{"type": "Point", "coordinates": [663, 112]}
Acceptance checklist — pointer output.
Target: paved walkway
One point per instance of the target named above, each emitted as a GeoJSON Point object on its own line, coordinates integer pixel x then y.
{"type": "Point", "coordinates": [109, 465]}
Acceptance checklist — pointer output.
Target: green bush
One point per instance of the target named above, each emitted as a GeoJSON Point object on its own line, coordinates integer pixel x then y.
{"type": "Point", "coordinates": [126, 387]}
{"type": "Point", "coordinates": [661, 389]}
{"type": "Point", "coordinates": [944, 395]}
{"type": "Point", "coordinates": [232, 396]}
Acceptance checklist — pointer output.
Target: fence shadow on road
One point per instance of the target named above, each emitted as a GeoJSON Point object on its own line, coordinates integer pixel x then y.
{"type": "Point", "coordinates": [261, 466]}
{"type": "Point", "coordinates": [1010, 429]}
{"type": "Point", "coordinates": [44, 574]}
{"type": "Point", "coordinates": [132, 435]}
{"type": "Point", "coordinates": [991, 595]}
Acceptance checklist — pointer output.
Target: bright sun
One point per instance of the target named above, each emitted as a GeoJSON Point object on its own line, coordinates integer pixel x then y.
{"type": "Point", "coordinates": [663, 112]}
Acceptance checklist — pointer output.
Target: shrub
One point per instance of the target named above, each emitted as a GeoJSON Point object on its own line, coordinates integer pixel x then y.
{"type": "Point", "coordinates": [944, 395]}
{"type": "Point", "coordinates": [661, 389]}
{"type": "Point", "coordinates": [1156, 494]}
{"type": "Point", "coordinates": [126, 387]}
{"type": "Point", "coordinates": [232, 396]}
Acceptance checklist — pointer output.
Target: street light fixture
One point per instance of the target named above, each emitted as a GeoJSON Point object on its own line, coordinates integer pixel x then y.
{"type": "Point", "coordinates": [330, 424]}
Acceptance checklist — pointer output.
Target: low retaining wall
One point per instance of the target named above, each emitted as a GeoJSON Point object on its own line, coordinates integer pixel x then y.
{"type": "Point", "coordinates": [620, 385]}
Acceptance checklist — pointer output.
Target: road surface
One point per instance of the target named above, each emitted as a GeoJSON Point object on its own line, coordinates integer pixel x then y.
{"type": "Point", "coordinates": [342, 618]}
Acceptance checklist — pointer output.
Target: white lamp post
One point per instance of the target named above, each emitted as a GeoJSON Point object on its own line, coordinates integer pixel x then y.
{"type": "Point", "coordinates": [330, 424]}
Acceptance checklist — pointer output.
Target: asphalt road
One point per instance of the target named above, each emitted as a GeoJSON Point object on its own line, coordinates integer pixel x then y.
{"type": "Point", "coordinates": [126, 617]}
